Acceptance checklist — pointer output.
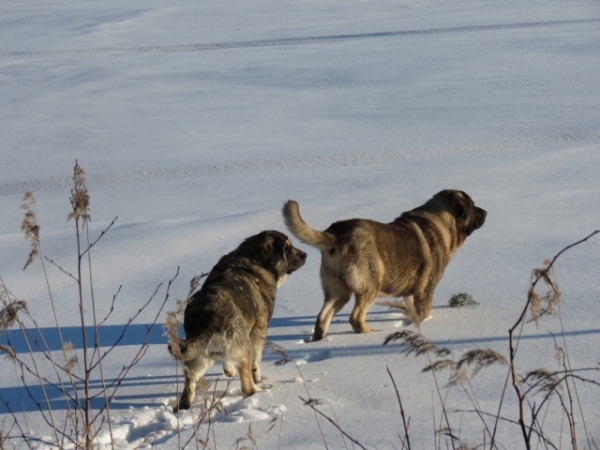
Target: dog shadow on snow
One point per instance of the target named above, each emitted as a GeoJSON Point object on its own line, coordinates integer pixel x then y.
{"type": "Point", "coordinates": [134, 389]}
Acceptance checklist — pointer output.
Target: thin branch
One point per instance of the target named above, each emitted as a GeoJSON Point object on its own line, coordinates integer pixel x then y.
{"type": "Point", "coordinates": [504, 419]}
{"type": "Point", "coordinates": [311, 404]}
{"type": "Point", "coordinates": [102, 233]}
{"type": "Point", "coordinates": [404, 421]}
{"type": "Point", "coordinates": [59, 267]}
{"type": "Point", "coordinates": [112, 306]}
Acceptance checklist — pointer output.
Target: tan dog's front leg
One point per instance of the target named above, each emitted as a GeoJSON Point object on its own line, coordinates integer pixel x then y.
{"type": "Point", "coordinates": [229, 369]}
{"type": "Point", "coordinates": [423, 307]}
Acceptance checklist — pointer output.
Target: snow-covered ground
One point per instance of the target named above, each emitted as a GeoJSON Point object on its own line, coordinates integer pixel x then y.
{"type": "Point", "coordinates": [196, 121]}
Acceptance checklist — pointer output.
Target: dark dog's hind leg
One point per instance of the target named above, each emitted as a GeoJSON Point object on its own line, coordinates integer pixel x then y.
{"type": "Point", "coordinates": [193, 371]}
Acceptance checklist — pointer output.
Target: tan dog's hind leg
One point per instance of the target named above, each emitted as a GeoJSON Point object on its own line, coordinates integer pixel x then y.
{"type": "Point", "coordinates": [358, 318]}
{"type": "Point", "coordinates": [332, 305]}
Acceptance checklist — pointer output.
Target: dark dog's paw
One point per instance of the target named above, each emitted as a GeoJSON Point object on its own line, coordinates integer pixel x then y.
{"type": "Point", "coordinates": [181, 405]}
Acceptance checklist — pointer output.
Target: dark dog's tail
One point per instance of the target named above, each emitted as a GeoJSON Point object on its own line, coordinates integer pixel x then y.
{"type": "Point", "coordinates": [181, 350]}
{"type": "Point", "coordinates": [299, 228]}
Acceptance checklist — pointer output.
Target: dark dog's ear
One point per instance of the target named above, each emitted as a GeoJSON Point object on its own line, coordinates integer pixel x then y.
{"type": "Point", "coordinates": [268, 250]}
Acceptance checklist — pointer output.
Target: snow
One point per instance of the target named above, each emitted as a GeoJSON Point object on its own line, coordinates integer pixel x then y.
{"type": "Point", "coordinates": [196, 121]}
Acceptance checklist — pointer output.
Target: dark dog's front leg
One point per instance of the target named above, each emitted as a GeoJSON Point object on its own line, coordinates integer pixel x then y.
{"type": "Point", "coordinates": [188, 391]}
{"type": "Point", "coordinates": [258, 337]}
{"type": "Point", "coordinates": [244, 369]}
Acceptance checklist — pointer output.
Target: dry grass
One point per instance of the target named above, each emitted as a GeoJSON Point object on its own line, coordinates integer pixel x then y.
{"type": "Point", "coordinates": [413, 342]}
{"type": "Point", "coordinates": [10, 311]}
{"type": "Point", "coordinates": [406, 305]}
{"type": "Point", "coordinates": [71, 371]}
{"type": "Point", "coordinates": [30, 228]}
{"type": "Point", "coordinates": [80, 199]}
{"type": "Point", "coordinates": [546, 303]}
{"type": "Point", "coordinates": [461, 300]}
{"type": "Point", "coordinates": [480, 358]}
{"type": "Point", "coordinates": [534, 391]}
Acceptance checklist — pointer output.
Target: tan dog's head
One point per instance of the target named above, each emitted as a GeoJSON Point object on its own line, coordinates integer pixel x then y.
{"type": "Point", "coordinates": [468, 216]}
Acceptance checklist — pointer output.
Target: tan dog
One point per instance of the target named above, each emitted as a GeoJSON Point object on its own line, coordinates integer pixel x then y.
{"type": "Point", "coordinates": [227, 318]}
{"type": "Point", "coordinates": [404, 258]}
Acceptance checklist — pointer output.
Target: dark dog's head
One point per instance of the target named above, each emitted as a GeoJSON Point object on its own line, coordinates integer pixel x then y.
{"type": "Point", "coordinates": [468, 216]}
{"type": "Point", "coordinates": [276, 252]}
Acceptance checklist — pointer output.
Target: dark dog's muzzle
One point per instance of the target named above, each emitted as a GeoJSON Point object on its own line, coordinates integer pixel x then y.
{"type": "Point", "coordinates": [297, 260]}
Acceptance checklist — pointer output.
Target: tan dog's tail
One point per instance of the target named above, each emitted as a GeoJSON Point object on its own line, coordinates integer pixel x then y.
{"type": "Point", "coordinates": [299, 228]}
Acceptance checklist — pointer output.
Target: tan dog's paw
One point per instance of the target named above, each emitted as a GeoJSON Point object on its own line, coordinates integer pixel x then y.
{"type": "Point", "coordinates": [229, 370]}
{"type": "Point", "coordinates": [363, 329]}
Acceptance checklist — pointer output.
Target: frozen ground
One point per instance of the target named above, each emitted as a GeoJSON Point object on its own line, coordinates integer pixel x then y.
{"type": "Point", "coordinates": [195, 121]}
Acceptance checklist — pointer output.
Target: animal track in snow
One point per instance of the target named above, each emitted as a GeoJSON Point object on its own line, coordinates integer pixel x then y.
{"type": "Point", "coordinates": [276, 42]}
{"type": "Point", "coordinates": [306, 163]}
{"type": "Point", "coordinates": [308, 358]}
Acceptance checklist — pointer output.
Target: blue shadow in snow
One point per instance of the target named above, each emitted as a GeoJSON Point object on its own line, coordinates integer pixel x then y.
{"type": "Point", "coordinates": [135, 334]}
{"type": "Point", "coordinates": [48, 338]}
{"type": "Point", "coordinates": [19, 398]}
{"type": "Point", "coordinates": [45, 339]}
{"type": "Point", "coordinates": [33, 397]}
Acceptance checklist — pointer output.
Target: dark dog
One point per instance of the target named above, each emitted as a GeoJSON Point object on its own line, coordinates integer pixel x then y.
{"type": "Point", "coordinates": [404, 258]}
{"type": "Point", "coordinates": [227, 318]}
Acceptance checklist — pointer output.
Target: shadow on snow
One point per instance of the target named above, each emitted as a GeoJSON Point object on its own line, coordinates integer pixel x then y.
{"type": "Point", "coordinates": [20, 398]}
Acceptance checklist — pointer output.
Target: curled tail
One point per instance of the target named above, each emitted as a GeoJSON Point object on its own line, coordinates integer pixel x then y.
{"type": "Point", "coordinates": [299, 228]}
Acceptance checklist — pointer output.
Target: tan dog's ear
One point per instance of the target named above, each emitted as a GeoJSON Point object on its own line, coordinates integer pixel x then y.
{"type": "Point", "coordinates": [459, 201]}
{"type": "Point", "coordinates": [477, 221]}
